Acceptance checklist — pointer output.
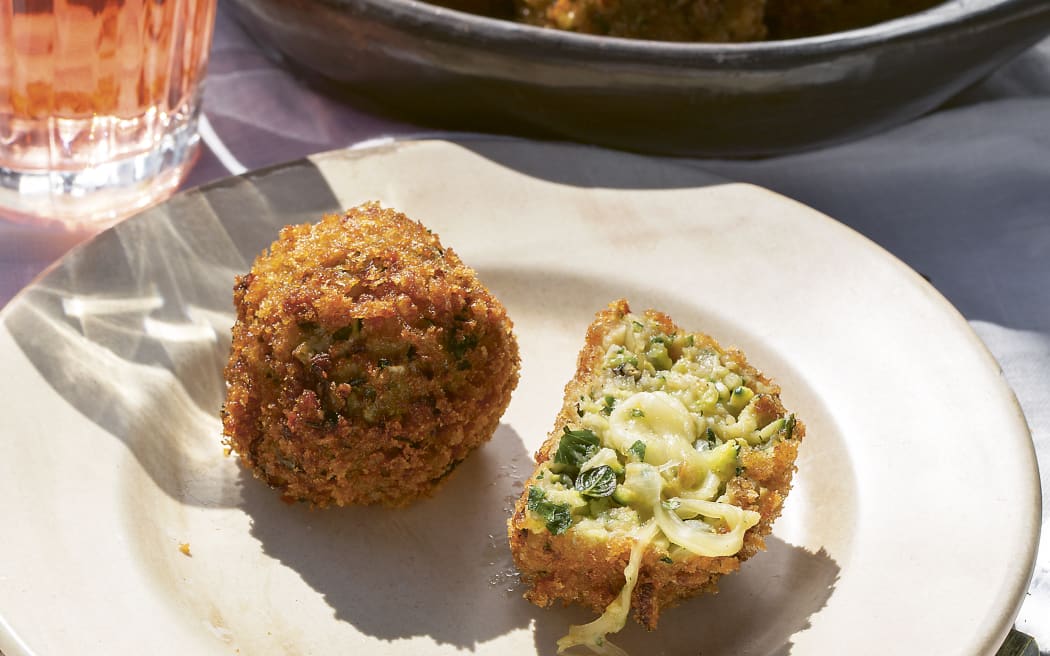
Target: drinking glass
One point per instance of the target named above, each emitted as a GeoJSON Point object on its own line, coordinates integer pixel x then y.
{"type": "Point", "coordinates": [99, 102]}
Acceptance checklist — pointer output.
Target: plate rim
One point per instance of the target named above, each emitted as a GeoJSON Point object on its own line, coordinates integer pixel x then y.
{"type": "Point", "coordinates": [7, 632]}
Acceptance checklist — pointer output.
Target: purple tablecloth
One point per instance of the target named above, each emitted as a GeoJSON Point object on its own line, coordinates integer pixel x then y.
{"type": "Point", "coordinates": [962, 195]}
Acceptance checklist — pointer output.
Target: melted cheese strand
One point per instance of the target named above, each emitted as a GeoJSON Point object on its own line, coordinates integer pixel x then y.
{"type": "Point", "coordinates": [701, 542]}
{"type": "Point", "coordinates": [708, 489]}
{"type": "Point", "coordinates": [592, 635]}
{"type": "Point", "coordinates": [648, 483]}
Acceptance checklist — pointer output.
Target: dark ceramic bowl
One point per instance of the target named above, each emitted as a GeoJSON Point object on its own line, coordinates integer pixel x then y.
{"type": "Point", "coordinates": [455, 70]}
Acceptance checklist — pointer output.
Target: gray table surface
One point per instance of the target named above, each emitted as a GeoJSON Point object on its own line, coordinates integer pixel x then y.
{"type": "Point", "coordinates": [962, 195]}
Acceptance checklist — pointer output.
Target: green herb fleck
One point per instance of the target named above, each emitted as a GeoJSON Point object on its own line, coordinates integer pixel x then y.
{"type": "Point", "coordinates": [638, 449]}
{"type": "Point", "coordinates": [555, 515]}
{"type": "Point", "coordinates": [666, 559]}
{"type": "Point", "coordinates": [610, 403]}
{"type": "Point", "coordinates": [459, 345]}
{"type": "Point", "coordinates": [637, 412]}
{"type": "Point", "coordinates": [598, 482]}
{"type": "Point", "coordinates": [383, 363]}
{"type": "Point", "coordinates": [711, 437]}
{"type": "Point", "coordinates": [355, 327]}
{"type": "Point", "coordinates": [575, 448]}
{"type": "Point", "coordinates": [638, 327]}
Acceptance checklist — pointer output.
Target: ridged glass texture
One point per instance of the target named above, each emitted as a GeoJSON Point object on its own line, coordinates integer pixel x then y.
{"type": "Point", "coordinates": [98, 104]}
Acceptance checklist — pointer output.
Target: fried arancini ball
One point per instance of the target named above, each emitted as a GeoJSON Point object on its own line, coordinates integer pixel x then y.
{"type": "Point", "coordinates": [367, 361]}
{"type": "Point", "coordinates": [667, 465]}
{"type": "Point", "coordinates": [660, 20]}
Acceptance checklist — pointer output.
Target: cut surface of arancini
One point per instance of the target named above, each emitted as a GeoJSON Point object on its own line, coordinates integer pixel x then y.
{"type": "Point", "coordinates": [367, 361]}
{"type": "Point", "coordinates": [667, 465]}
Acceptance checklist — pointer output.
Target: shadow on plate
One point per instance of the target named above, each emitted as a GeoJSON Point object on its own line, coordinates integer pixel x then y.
{"type": "Point", "coordinates": [756, 610]}
{"type": "Point", "coordinates": [133, 329]}
{"type": "Point", "coordinates": [441, 568]}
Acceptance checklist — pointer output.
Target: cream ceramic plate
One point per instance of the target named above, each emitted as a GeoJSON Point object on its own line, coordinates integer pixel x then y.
{"type": "Point", "coordinates": [911, 528]}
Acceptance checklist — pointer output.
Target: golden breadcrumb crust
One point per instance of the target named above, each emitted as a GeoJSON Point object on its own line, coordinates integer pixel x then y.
{"type": "Point", "coordinates": [367, 361]}
{"type": "Point", "coordinates": [566, 568]}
